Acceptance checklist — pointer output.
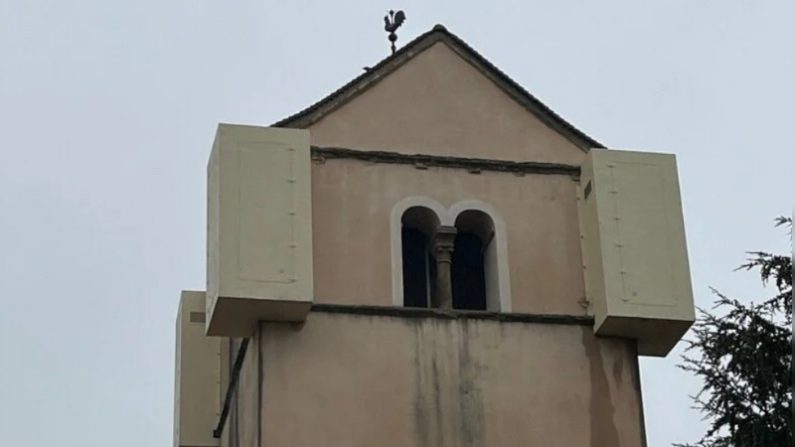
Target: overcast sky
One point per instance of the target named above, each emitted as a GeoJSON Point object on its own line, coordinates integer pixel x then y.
{"type": "Point", "coordinates": [108, 109]}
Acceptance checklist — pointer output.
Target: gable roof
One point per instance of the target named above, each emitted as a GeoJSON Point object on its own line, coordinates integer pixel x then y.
{"type": "Point", "coordinates": [439, 33]}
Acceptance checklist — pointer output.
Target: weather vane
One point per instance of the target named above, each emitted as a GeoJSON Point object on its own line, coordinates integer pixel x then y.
{"type": "Point", "coordinates": [391, 23]}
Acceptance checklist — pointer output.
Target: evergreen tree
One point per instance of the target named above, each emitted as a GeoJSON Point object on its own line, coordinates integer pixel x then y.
{"type": "Point", "coordinates": [744, 357]}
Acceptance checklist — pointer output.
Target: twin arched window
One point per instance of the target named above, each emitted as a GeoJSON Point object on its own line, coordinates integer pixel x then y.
{"type": "Point", "coordinates": [449, 266]}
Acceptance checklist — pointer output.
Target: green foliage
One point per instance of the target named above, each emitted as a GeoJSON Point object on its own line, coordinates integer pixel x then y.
{"type": "Point", "coordinates": [745, 360]}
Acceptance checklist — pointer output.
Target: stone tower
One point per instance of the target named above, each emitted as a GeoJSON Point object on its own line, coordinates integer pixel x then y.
{"type": "Point", "coordinates": [429, 256]}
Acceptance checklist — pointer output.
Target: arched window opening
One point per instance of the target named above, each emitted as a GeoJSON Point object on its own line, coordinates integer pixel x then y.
{"type": "Point", "coordinates": [474, 274]}
{"type": "Point", "coordinates": [418, 224]}
{"type": "Point", "coordinates": [415, 268]}
{"type": "Point", "coordinates": [469, 278]}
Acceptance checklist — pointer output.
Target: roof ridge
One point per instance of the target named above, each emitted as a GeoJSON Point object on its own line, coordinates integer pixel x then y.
{"type": "Point", "coordinates": [311, 108]}
{"type": "Point", "coordinates": [438, 33]}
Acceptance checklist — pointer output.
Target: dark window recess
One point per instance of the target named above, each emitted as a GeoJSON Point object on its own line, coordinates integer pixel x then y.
{"type": "Point", "coordinates": [415, 268]}
{"type": "Point", "coordinates": [469, 277]}
{"type": "Point", "coordinates": [432, 272]}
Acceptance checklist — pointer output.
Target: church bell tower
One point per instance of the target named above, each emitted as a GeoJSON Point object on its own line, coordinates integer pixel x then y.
{"type": "Point", "coordinates": [429, 256]}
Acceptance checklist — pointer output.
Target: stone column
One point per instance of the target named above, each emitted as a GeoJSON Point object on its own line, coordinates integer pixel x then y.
{"type": "Point", "coordinates": [443, 244]}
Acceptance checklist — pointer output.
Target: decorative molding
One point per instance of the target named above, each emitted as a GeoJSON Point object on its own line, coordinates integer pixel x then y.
{"type": "Point", "coordinates": [412, 312]}
{"type": "Point", "coordinates": [423, 161]}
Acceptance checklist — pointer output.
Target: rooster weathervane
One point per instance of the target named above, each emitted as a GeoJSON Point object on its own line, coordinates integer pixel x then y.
{"type": "Point", "coordinates": [391, 23]}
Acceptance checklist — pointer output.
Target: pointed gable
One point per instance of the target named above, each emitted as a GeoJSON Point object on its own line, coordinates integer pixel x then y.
{"type": "Point", "coordinates": [437, 96]}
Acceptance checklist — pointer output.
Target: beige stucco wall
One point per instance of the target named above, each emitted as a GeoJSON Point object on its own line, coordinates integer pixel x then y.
{"type": "Point", "coordinates": [352, 201]}
{"type": "Point", "coordinates": [438, 103]}
{"type": "Point", "coordinates": [198, 374]}
{"type": "Point", "coordinates": [362, 380]}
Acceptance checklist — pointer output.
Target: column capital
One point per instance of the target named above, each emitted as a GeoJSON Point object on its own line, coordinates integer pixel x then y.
{"type": "Point", "coordinates": [444, 240]}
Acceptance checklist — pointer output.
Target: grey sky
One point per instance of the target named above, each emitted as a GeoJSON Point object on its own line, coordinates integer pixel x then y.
{"type": "Point", "coordinates": [108, 109]}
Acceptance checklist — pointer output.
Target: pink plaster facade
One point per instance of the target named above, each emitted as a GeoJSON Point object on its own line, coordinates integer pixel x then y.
{"type": "Point", "coordinates": [439, 104]}
{"type": "Point", "coordinates": [352, 201]}
{"type": "Point", "coordinates": [362, 380]}
{"type": "Point", "coordinates": [368, 379]}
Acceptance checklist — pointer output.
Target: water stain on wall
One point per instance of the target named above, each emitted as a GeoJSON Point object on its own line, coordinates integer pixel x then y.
{"type": "Point", "coordinates": [448, 403]}
{"type": "Point", "coordinates": [601, 408]}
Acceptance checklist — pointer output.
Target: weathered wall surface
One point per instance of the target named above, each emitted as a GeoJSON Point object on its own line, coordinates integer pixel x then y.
{"type": "Point", "coordinates": [351, 205]}
{"type": "Point", "coordinates": [439, 104]}
{"type": "Point", "coordinates": [363, 380]}
{"type": "Point", "coordinates": [242, 427]}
